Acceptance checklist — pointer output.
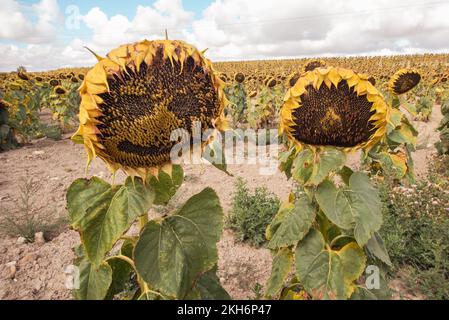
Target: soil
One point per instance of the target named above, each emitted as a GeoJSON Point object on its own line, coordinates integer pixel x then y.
{"type": "Point", "coordinates": [37, 270]}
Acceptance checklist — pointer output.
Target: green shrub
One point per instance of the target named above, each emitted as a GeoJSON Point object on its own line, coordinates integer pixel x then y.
{"type": "Point", "coordinates": [415, 231]}
{"type": "Point", "coordinates": [252, 213]}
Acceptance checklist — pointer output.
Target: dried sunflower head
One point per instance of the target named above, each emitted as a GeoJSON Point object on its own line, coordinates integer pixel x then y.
{"type": "Point", "coordinates": [54, 82]}
{"type": "Point", "coordinates": [271, 83]}
{"type": "Point", "coordinates": [312, 65]}
{"type": "Point", "coordinates": [239, 77]}
{"type": "Point", "coordinates": [60, 90]}
{"type": "Point", "coordinates": [334, 107]}
{"type": "Point", "coordinates": [293, 78]}
{"type": "Point", "coordinates": [133, 100]}
{"type": "Point", "coordinates": [403, 81]}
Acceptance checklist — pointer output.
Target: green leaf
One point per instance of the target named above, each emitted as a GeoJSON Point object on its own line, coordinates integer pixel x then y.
{"type": "Point", "coordinates": [104, 216]}
{"type": "Point", "coordinates": [393, 165]}
{"type": "Point", "coordinates": [395, 120]}
{"type": "Point", "coordinates": [335, 204]}
{"type": "Point", "coordinates": [286, 162]}
{"type": "Point", "coordinates": [376, 247]}
{"type": "Point", "coordinates": [81, 194]}
{"type": "Point", "coordinates": [320, 271]}
{"type": "Point", "coordinates": [127, 249]}
{"type": "Point", "coordinates": [354, 262]}
{"type": "Point", "coordinates": [345, 173]}
{"type": "Point", "coordinates": [291, 223]}
{"type": "Point", "coordinates": [365, 207]}
{"type": "Point", "coordinates": [303, 166]}
{"type": "Point", "coordinates": [121, 273]}
{"type": "Point", "coordinates": [362, 293]}
{"type": "Point", "coordinates": [330, 160]}
{"type": "Point", "coordinates": [165, 186]}
{"type": "Point", "coordinates": [94, 282]}
{"type": "Point", "coordinates": [404, 134]}
{"type": "Point", "coordinates": [208, 287]}
{"type": "Point", "coordinates": [172, 253]}
{"type": "Point", "coordinates": [282, 264]}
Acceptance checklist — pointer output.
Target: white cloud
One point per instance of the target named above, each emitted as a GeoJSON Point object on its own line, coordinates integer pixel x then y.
{"type": "Point", "coordinates": [31, 24]}
{"type": "Point", "coordinates": [149, 22]}
{"type": "Point", "coordinates": [232, 29]}
{"type": "Point", "coordinates": [265, 28]}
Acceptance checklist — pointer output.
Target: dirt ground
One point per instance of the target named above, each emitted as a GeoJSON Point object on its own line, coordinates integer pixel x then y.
{"type": "Point", "coordinates": [36, 271]}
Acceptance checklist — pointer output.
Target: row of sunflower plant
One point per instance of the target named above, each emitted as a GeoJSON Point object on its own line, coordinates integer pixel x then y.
{"type": "Point", "coordinates": [322, 237]}
{"type": "Point", "coordinates": [23, 97]}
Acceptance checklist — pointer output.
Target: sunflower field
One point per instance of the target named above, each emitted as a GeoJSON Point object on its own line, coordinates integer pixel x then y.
{"type": "Point", "coordinates": [348, 129]}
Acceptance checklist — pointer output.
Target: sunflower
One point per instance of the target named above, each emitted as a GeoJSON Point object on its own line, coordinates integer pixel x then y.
{"type": "Point", "coordinates": [239, 77]}
{"type": "Point", "coordinates": [334, 107]}
{"type": "Point", "coordinates": [272, 83]}
{"type": "Point", "coordinates": [293, 78]}
{"type": "Point", "coordinates": [312, 65]}
{"type": "Point", "coordinates": [54, 82]}
{"type": "Point", "coordinates": [133, 99]}
{"type": "Point", "coordinates": [60, 90]}
{"type": "Point", "coordinates": [403, 81]}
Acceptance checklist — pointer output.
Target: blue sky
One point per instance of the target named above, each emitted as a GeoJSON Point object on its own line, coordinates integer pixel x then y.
{"type": "Point", "coordinates": [35, 33]}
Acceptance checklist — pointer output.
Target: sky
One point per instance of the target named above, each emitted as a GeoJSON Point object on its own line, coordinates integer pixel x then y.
{"type": "Point", "coordinates": [48, 34]}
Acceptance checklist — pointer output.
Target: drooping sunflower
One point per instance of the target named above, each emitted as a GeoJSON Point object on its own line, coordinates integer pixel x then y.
{"type": "Point", "coordinates": [239, 77]}
{"type": "Point", "coordinates": [403, 81]}
{"type": "Point", "coordinates": [60, 90]}
{"type": "Point", "coordinates": [312, 65]}
{"type": "Point", "coordinates": [334, 107]}
{"type": "Point", "coordinates": [54, 82]}
{"type": "Point", "coordinates": [133, 100]}
{"type": "Point", "coordinates": [293, 78]}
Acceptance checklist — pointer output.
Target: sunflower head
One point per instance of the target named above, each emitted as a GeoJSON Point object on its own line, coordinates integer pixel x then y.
{"type": "Point", "coordinates": [293, 78]}
{"type": "Point", "coordinates": [23, 76]}
{"type": "Point", "coordinates": [312, 65]}
{"type": "Point", "coordinates": [239, 77]}
{"type": "Point", "coordinates": [133, 100]}
{"type": "Point", "coordinates": [334, 107]}
{"type": "Point", "coordinates": [403, 81]}
{"type": "Point", "coordinates": [54, 82]}
{"type": "Point", "coordinates": [271, 83]}
{"type": "Point", "coordinates": [60, 90]}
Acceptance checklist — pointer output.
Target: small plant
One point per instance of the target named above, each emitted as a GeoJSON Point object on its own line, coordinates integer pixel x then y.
{"type": "Point", "coordinates": [415, 233]}
{"type": "Point", "coordinates": [252, 213]}
{"type": "Point", "coordinates": [28, 218]}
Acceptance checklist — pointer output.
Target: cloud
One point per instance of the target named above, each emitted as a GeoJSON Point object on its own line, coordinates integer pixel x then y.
{"type": "Point", "coordinates": [149, 22]}
{"type": "Point", "coordinates": [231, 29]}
{"type": "Point", "coordinates": [31, 24]}
{"type": "Point", "coordinates": [266, 28]}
